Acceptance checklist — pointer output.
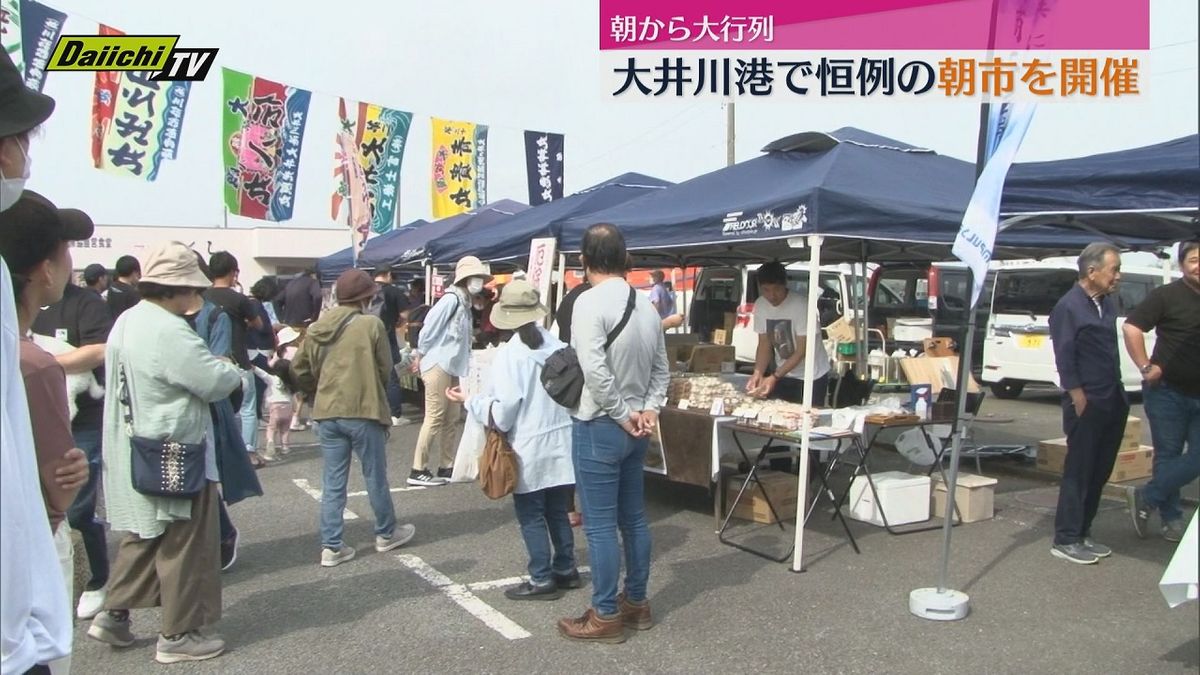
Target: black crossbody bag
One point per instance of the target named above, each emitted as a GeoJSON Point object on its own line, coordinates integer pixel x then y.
{"type": "Point", "coordinates": [562, 376]}
{"type": "Point", "coordinates": [162, 468]}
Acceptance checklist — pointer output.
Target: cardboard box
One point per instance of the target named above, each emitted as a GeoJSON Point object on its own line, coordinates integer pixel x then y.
{"type": "Point", "coordinates": [720, 337]}
{"type": "Point", "coordinates": [1130, 464]}
{"type": "Point", "coordinates": [939, 347]}
{"type": "Point", "coordinates": [938, 372]}
{"type": "Point", "coordinates": [973, 495]}
{"type": "Point", "coordinates": [1132, 440]}
{"type": "Point", "coordinates": [708, 358]}
{"type": "Point", "coordinates": [780, 485]}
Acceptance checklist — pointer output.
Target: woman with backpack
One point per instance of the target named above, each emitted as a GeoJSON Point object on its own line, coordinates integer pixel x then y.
{"type": "Point", "coordinates": [539, 430]}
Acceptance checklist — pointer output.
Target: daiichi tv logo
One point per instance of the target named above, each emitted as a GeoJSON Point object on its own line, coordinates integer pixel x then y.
{"type": "Point", "coordinates": [155, 53]}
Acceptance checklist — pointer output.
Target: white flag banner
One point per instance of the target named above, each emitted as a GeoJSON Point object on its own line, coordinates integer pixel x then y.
{"type": "Point", "coordinates": [977, 237]}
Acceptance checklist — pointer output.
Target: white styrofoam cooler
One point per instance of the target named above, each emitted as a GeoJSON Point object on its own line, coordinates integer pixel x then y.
{"type": "Point", "coordinates": [903, 496]}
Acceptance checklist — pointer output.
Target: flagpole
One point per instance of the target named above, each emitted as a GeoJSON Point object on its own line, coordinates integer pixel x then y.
{"type": "Point", "coordinates": [942, 603]}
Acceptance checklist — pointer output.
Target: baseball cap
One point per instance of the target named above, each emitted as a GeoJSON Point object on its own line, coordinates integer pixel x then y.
{"type": "Point", "coordinates": [21, 108]}
{"type": "Point", "coordinates": [93, 272]}
{"type": "Point", "coordinates": [32, 229]}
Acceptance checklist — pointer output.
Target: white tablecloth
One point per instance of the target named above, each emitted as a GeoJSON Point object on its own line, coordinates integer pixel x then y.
{"type": "Point", "coordinates": [1179, 583]}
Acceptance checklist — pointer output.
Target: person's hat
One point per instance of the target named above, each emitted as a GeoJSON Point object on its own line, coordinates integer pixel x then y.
{"type": "Point", "coordinates": [93, 272]}
{"type": "Point", "coordinates": [174, 264]}
{"type": "Point", "coordinates": [354, 286]}
{"type": "Point", "coordinates": [519, 304]}
{"type": "Point", "coordinates": [21, 108]}
{"type": "Point", "coordinates": [32, 229]}
{"type": "Point", "coordinates": [287, 335]}
{"type": "Point", "coordinates": [469, 266]}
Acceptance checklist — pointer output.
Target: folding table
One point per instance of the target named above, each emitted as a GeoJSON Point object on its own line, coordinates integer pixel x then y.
{"type": "Point", "coordinates": [752, 477]}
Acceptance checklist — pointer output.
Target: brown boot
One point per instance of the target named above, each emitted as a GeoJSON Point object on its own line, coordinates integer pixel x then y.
{"type": "Point", "coordinates": [591, 627]}
{"type": "Point", "coordinates": [635, 615]}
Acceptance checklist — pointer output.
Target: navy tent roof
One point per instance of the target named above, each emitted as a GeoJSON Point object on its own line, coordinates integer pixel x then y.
{"type": "Point", "coordinates": [332, 265]}
{"type": "Point", "coordinates": [509, 240]}
{"type": "Point", "coordinates": [412, 246]}
{"type": "Point", "coordinates": [1151, 192]}
{"type": "Point", "coordinates": [869, 195]}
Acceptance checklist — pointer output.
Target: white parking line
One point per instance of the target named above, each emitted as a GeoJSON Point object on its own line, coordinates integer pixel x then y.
{"type": "Point", "coordinates": [316, 494]}
{"type": "Point", "coordinates": [363, 493]}
{"type": "Point", "coordinates": [464, 598]}
{"type": "Point", "coordinates": [508, 581]}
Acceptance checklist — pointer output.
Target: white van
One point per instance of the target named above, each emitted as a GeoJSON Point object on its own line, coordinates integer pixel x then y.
{"type": "Point", "coordinates": [1017, 348]}
{"type": "Point", "coordinates": [734, 289]}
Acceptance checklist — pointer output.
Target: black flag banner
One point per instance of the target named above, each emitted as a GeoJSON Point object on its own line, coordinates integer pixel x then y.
{"type": "Point", "coordinates": [544, 166]}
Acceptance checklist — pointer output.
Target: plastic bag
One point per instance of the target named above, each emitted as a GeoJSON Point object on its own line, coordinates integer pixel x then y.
{"type": "Point", "coordinates": [470, 448]}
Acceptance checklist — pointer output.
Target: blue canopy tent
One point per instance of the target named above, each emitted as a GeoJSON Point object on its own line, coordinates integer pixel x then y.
{"type": "Point", "coordinates": [872, 198]}
{"type": "Point", "coordinates": [411, 247]}
{"type": "Point", "coordinates": [332, 265]}
{"type": "Point", "coordinates": [509, 240]}
{"type": "Point", "coordinates": [1151, 192]}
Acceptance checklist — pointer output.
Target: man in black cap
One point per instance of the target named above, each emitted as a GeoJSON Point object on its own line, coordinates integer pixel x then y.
{"type": "Point", "coordinates": [82, 319]}
{"type": "Point", "coordinates": [35, 617]}
{"type": "Point", "coordinates": [96, 278]}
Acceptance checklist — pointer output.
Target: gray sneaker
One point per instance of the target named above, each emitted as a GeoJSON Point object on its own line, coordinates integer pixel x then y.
{"type": "Point", "coordinates": [401, 536]}
{"type": "Point", "coordinates": [1139, 511]}
{"type": "Point", "coordinates": [110, 630]}
{"type": "Point", "coordinates": [1075, 553]}
{"type": "Point", "coordinates": [1172, 530]}
{"type": "Point", "coordinates": [191, 646]}
{"type": "Point", "coordinates": [1098, 550]}
{"type": "Point", "coordinates": [332, 558]}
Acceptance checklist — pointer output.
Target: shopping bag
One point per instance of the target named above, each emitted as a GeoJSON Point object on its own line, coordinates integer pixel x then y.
{"type": "Point", "coordinates": [498, 464]}
{"type": "Point", "coordinates": [470, 447]}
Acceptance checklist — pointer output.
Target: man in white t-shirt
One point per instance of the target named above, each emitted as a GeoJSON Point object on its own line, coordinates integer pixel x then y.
{"type": "Point", "coordinates": [781, 321]}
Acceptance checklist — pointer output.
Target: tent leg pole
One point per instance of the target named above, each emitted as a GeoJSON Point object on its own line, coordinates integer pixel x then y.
{"type": "Point", "coordinates": [562, 280]}
{"type": "Point", "coordinates": [429, 283]}
{"type": "Point", "coordinates": [810, 364]}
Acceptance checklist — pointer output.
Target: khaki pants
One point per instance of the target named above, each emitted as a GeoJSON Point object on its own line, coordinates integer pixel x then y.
{"type": "Point", "coordinates": [441, 420]}
{"type": "Point", "coordinates": [179, 570]}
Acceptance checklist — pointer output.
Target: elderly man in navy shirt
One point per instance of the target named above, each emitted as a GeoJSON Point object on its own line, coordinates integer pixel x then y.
{"type": "Point", "coordinates": [1083, 328]}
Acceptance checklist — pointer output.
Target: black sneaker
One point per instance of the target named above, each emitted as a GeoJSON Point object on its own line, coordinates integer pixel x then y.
{"type": "Point", "coordinates": [568, 581]}
{"type": "Point", "coordinates": [529, 591]}
{"type": "Point", "coordinates": [1173, 530]}
{"type": "Point", "coordinates": [446, 474]}
{"type": "Point", "coordinates": [1075, 553]}
{"type": "Point", "coordinates": [229, 549]}
{"type": "Point", "coordinates": [1139, 511]}
{"type": "Point", "coordinates": [424, 479]}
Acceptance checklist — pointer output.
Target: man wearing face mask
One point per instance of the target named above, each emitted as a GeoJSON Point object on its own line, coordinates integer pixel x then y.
{"type": "Point", "coordinates": [345, 361]}
{"type": "Point", "coordinates": [443, 355]}
{"type": "Point", "coordinates": [35, 617]}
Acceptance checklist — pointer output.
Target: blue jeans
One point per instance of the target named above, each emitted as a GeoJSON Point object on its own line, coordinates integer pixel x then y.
{"type": "Point", "coordinates": [81, 515]}
{"type": "Point", "coordinates": [1174, 421]}
{"type": "Point", "coordinates": [367, 439]}
{"type": "Point", "coordinates": [609, 466]}
{"type": "Point", "coordinates": [249, 411]}
{"type": "Point", "coordinates": [540, 513]}
{"type": "Point", "coordinates": [395, 396]}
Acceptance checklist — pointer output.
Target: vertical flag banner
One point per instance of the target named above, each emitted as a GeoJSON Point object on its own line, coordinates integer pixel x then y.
{"type": "Point", "coordinates": [357, 200]}
{"type": "Point", "coordinates": [378, 136]}
{"type": "Point", "coordinates": [40, 28]}
{"type": "Point", "coordinates": [10, 32]}
{"type": "Point", "coordinates": [262, 131]}
{"type": "Point", "coordinates": [541, 265]}
{"type": "Point", "coordinates": [1007, 124]}
{"type": "Point", "coordinates": [136, 121]}
{"type": "Point", "coordinates": [459, 167]}
{"type": "Point", "coordinates": [544, 166]}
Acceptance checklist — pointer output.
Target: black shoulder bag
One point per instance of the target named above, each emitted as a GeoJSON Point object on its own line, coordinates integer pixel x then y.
{"type": "Point", "coordinates": [562, 376]}
{"type": "Point", "coordinates": [162, 468]}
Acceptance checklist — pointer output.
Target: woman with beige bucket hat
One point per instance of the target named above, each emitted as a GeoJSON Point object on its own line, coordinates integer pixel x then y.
{"type": "Point", "coordinates": [443, 355]}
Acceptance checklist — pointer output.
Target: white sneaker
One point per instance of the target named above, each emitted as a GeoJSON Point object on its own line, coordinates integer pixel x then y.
{"type": "Point", "coordinates": [332, 558]}
{"type": "Point", "coordinates": [401, 421]}
{"type": "Point", "coordinates": [401, 536]}
{"type": "Point", "coordinates": [90, 603]}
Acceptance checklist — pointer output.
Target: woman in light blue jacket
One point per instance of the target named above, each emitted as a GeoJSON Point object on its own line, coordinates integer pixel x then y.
{"type": "Point", "coordinates": [539, 431]}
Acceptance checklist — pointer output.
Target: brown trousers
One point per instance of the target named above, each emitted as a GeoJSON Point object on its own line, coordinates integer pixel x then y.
{"type": "Point", "coordinates": [179, 570]}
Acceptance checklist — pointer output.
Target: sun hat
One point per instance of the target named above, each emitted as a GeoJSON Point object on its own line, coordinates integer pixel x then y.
{"type": "Point", "coordinates": [354, 286]}
{"type": "Point", "coordinates": [519, 304]}
{"type": "Point", "coordinates": [469, 266]}
{"type": "Point", "coordinates": [173, 264]}
{"type": "Point", "coordinates": [21, 108]}
{"type": "Point", "coordinates": [287, 335]}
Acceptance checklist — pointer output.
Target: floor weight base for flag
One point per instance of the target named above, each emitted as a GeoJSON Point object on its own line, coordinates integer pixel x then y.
{"type": "Point", "coordinates": [939, 605]}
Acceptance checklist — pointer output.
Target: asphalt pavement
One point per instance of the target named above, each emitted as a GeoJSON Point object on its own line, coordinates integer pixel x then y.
{"type": "Point", "coordinates": [436, 605]}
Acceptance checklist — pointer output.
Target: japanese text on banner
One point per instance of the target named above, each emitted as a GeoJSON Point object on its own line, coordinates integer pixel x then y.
{"type": "Point", "coordinates": [459, 167]}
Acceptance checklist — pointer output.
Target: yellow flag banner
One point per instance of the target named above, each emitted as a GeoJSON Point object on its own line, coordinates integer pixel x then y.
{"type": "Point", "coordinates": [459, 167]}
